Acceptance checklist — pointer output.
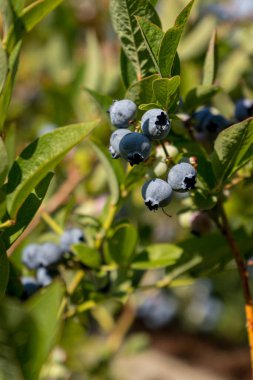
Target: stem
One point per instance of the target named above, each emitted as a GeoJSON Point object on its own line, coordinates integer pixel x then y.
{"type": "Point", "coordinates": [51, 223]}
{"type": "Point", "coordinates": [225, 229]}
{"type": "Point", "coordinates": [7, 224]}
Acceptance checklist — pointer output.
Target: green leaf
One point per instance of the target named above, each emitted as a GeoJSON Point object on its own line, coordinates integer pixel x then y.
{"type": "Point", "coordinates": [123, 14]}
{"type": "Point", "coordinates": [121, 243]}
{"type": "Point", "coordinates": [44, 309]}
{"type": "Point", "coordinates": [149, 106]}
{"type": "Point", "coordinates": [3, 162]}
{"type": "Point", "coordinates": [4, 270]}
{"type": "Point", "coordinates": [210, 66]}
{"type": "Point", "coordinates": [157, 256]}
{"type": "Point", "coordinates": [6, 94]}
{"type": "Point", "coordinates": [10, 10]}
{"type": "Point", "coordinates": [152, 36]}
{"type": "Point", "coordinates": [153, 2]}
{"type": "Point", "coordinates": [142, 91]}
{"type": "Point", "coordinates": [127, 70]}
{"type": "Point", "coordinates": [27, 211]}
{"type": "Point", "coordinates": [199, 96]}
{"type": "Point", "coordinates": [134, 175]}
{"type": "Point", "coordinates": [171, 40]}
{"type": "Point", "coordinates": [38, 159]}
{"type": "Point", "coordinates": [164, 89]}
{"type": "Point", "coordinates": [203, 200]}
{"type": "Point", "coordinates": [87, 255]}
{"type": "Point", "coordinates": [3, 67]}
{"type": "Point", "coordinates": [102, 101]}
{"type": "Point", "coordinates": [233, 148]}
{"type": "Point", "coordinates": [114, 169]}
{"type": "Point", "coordinates": [28, 19]}
{"type": "Point", "coordinates": [19, 342]}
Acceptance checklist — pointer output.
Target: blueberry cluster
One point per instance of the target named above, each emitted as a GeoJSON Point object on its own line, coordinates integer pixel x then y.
{"type": "Point", "coordinates": [44, 259]}
{"type": "Point", "coordinates": [135, 147]}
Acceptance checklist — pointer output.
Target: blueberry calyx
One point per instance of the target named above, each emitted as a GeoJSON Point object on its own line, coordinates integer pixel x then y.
{"type": "Point", "coordinates": [135, 158]}
{"type": "Point", "coordinates": [190, 182]}
{"type": "Point", "coordinates": [152, 206]}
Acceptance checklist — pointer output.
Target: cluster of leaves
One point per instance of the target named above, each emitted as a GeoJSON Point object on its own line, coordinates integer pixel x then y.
{"type": "Point", "coordinates": [114, 256]}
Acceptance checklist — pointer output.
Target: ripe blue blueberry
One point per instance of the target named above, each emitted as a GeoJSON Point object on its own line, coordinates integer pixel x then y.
{"type": "Point", "coordinates": [135, 148]}
{"type": "Point", "coordinates": [243, 109]}
{"type": "Point", "coordinates": [156, 193]}
{"type": "Point", "coordinates": [122, 112]}
{"type": "Point", "coordinates": [182, 177]}
{"type": "Point", "coordinates": [71, 236]}
{"type": "Point", "coordinates": [50, 254]}
{"type": "Point", "coordinates": [31, 256]}
{"type": "Point", "coordinates": [30, 285]}
{"type": "Point", "coordinates": [44, 276]}
{"type": "Point", "coordinates": [207, 123]}
{"type": "Point", "coordinates": [115, 139]}
{"type": "Point", "coordinates": [155, 124]}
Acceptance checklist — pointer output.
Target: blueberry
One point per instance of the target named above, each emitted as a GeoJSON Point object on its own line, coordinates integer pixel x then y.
{"type": "Point", "coordinates": [71, 236]}
{"type": "Point", "coordinates": [122, 112]}
{"type": "Point", "coordinates": [50, 254]}
{"type": "Point", "coordinates": [30, 285]}
{"type": "Point", "coordinates": [201, 223]}
{"type": "Point", "coordinates": [115, 141]}
{"type": "Point", "coordinates": [31, 256]}
{"type": "Point", "coordinates": [44, 276]}
{"type": "Point", "coordinates": [207, 123]}
{"type": "Point", "coordinates": [135, 147]}
{"type": "Point", "coordinates": [156, 193]}
{"type": "Point", "coordinates": [182, 177]}
{"type": "Point", "coordinates": [155, 124]}
{"type": "Point", "coordinates": [243, 109]}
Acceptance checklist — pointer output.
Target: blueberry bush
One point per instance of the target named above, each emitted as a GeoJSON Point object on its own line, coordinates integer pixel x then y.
{"type": "Point", "coordinates": [97, 169]}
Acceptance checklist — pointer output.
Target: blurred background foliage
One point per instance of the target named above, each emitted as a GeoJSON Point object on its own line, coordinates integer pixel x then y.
{"type": "Point", "coordinates": [72, 55]}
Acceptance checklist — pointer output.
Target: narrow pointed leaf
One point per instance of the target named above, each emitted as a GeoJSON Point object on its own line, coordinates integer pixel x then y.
{"type": "Point", "coordinates": [4, 270]}
{"type": "Point", "coordinates": [3, 67]}
{"type": "Point", "coordinates": [152, 36]}
{"type": "Point", "coordinates": [210, 66]}
{"type": "Point", "coordinates": [233, 148]}
{"type": "Point", "coordinates": [28, 19]}
{"type": "Point", "coordinates": [44, 309]}
{"type": "Point", "coordinates": [38, 159]}
{"type": "Point", "coordinates": [27, 211]}
{"type": "Point", "coordinates": [3, 162]}
{"type": "Point", "coordinates": [171, 40]}
{"type": "Point", "coordinates": [123, 14]}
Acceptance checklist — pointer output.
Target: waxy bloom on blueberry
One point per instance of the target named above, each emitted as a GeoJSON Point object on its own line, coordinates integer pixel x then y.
{"type": "Point", "coordinates": [115, 139]}
{"type": "Point", "coordinates": [182, 177]}
{"type": "Point", "coordinates": [71, 236]}
{"type": "Point", "coordinates": [51, 254]}
{"type": "Point", "coordinates": [155, 124]}
{"type": "Point", "coordinates": [122, 112]}
{"type": "Point", "coordinates": [31, 256]}
{"type": "Point", "coordinates": [135, 148]}
{"type": "Point", "coordinates": [156, 193]}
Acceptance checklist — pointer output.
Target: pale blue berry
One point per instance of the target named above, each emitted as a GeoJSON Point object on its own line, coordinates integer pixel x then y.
{"type": "Point", "coordinates": [71, 236]}
{"type": "Point", "coordinates": [155, 124]}
{"type": "Point", "coordinates": [115, 139]}
{"type": "Point", "coordinates": [31, 256]}
{"type": "Point", "coordinates": [135, 148]}
{"type": "Point", "coordinates": [156, 193]}
{"type": "Point", "coordinates": [50, 254]}
{"type": "Point", "coordinates": [182, 177]}
{"type": "Point", "coordinates": [44, 276]}
{"type": "Point", "coordinates": [122, 112]}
